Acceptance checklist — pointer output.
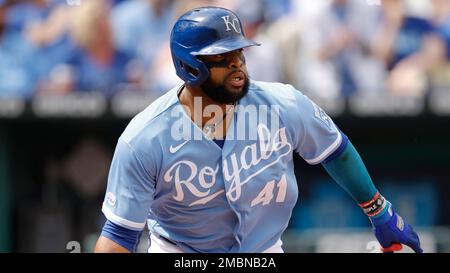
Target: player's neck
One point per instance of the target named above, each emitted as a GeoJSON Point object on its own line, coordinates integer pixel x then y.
{"type": "Point", "coordinates": [214, 124]}
{"type": "Point", "coordinates": [196, 101]}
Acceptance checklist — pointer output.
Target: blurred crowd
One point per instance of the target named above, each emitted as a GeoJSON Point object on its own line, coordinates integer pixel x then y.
{"type": "Point", "coordinates": [326, 48]}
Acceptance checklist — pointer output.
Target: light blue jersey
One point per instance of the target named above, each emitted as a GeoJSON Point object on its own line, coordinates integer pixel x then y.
{"type": "Point", "coordinates": [207, 199]}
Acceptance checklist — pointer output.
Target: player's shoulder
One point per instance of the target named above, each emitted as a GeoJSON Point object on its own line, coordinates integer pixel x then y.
{"type": "Point", "coordinates": [276, 92]}
{"type": "Point", "coordinates": [151, 121]}
{"type": "Point", "coordinates": [293, 104]}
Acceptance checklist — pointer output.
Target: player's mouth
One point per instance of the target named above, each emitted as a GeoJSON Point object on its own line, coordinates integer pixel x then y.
{"type": "Point", "coordinates": [237, 79]}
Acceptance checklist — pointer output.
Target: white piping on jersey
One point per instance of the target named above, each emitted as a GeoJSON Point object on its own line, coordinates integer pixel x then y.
{"type": "Point", "coordinates": [327, 151]}
{"type": "Point", "coordinates": [120, 221]}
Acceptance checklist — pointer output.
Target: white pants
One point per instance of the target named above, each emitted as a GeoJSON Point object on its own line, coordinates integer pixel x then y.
{"type": "Point", "coordinates": [159, 245]}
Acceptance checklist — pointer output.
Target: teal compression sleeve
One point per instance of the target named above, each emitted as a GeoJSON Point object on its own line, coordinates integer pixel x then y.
{"type": "Point", "coordinates": [349, 171]}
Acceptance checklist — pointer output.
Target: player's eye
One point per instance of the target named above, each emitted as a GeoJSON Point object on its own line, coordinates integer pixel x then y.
{"type": "Point", "coordinates": [218, 58]}
{"type": "Point", "coordinates": [222, 60]}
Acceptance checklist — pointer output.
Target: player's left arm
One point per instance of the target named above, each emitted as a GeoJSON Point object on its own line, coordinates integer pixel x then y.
{"type": "Point", "coordinates": [348, 170]}
{"type": "Point", "coordinates": [318, 140]}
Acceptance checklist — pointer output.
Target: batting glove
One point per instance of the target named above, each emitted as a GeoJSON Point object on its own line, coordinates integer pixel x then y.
{"type": "Point", "coordinates": [390, 229]}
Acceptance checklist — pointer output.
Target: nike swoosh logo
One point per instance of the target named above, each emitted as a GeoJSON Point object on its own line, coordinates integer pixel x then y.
{"type": "Point", "coordinates": [176, 148]}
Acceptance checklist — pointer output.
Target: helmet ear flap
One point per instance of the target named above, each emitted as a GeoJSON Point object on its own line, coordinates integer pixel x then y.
{"type": "Point", "coordinates": [196, 75]}
{"type": "Point", "coordinates": [189, 68]}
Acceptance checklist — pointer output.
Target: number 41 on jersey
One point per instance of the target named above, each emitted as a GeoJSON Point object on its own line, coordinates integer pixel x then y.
{"type": "Point", "coordinates": [267, 193]}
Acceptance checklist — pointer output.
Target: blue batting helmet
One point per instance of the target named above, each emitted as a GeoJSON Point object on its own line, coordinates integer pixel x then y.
{"type": "Point", "coordinates": [204, 31]}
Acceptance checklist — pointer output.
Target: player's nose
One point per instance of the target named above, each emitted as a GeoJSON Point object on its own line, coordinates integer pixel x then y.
{"type": "Point", "coordinates": [236, 61]}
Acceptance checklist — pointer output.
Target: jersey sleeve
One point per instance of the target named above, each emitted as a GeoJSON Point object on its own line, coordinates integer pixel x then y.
{"type": "Point", "coordinates": [317, 137]}
{"type": "Point", "coordinates": [130, 190]}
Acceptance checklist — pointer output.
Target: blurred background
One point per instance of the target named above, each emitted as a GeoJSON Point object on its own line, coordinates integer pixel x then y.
{"type": "Point", "coordinates": [74, 72]}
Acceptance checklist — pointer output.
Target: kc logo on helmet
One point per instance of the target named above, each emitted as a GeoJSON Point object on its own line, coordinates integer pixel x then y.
{"type": "Point", "coordinates": [231, 23]}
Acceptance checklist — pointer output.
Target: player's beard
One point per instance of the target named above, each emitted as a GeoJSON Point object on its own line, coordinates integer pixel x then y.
{"type": "Point", "coordinates": [221, 94]}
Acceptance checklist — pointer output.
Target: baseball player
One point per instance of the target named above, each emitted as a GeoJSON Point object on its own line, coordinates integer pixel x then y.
{"type": "Point", "coordinates": [209, 165]}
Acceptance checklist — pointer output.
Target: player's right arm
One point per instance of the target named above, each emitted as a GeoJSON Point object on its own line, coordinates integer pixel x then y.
{"type": "Point", "coordinates": [106, 245]}
{"type": "Point", "coordinates": [129, 194]}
